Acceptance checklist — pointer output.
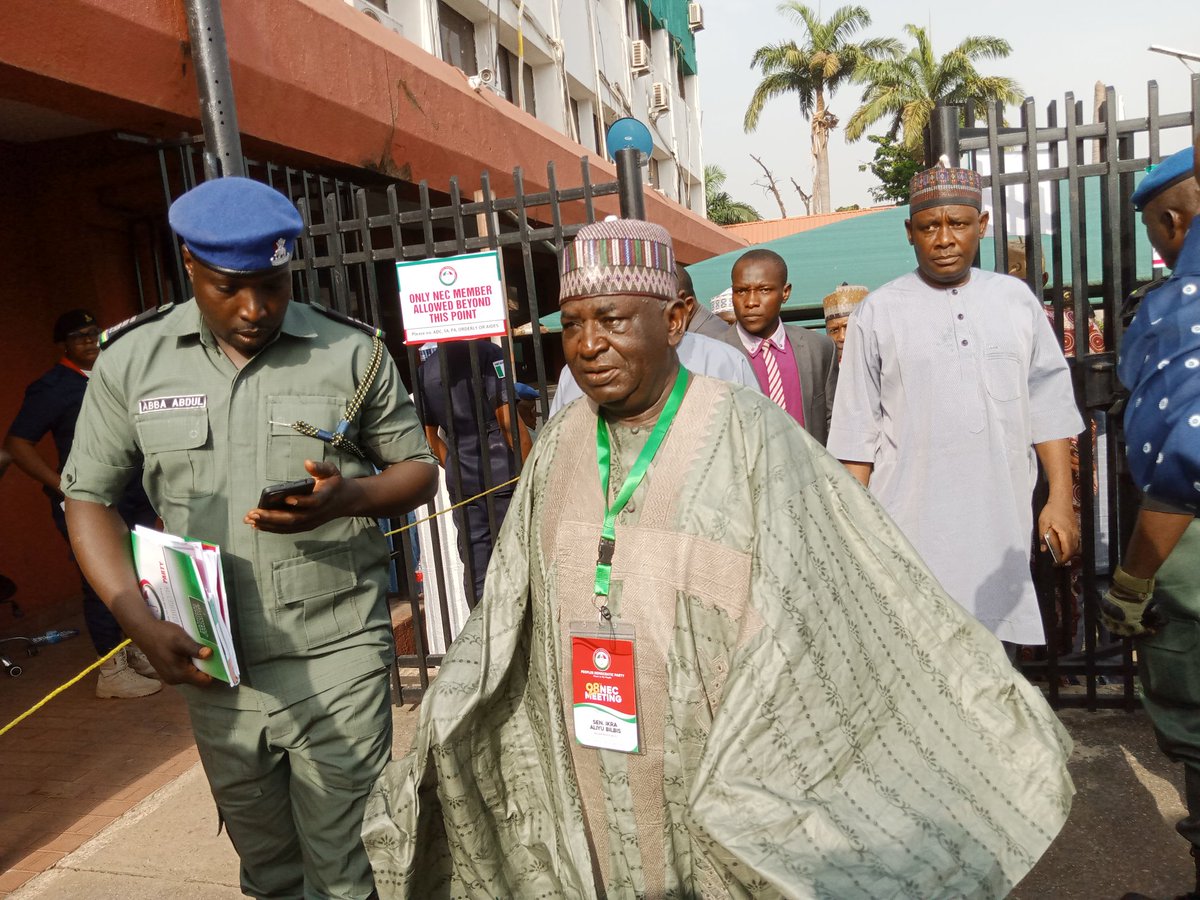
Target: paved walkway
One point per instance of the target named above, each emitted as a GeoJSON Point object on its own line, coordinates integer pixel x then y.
{"type": "Point", "coordinates": [105, 800]}
{"type": "Point", "coordinates": [77, 765]}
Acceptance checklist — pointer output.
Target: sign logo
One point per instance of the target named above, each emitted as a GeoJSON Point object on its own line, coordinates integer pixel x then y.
{"type": "Point", "coordinates": [601, 660]}
{"type": "Point", "coordinates": [448, 275]}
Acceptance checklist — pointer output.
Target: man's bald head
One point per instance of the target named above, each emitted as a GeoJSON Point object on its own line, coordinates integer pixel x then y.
{"type": "Point", "coordinates": [1168, 216]}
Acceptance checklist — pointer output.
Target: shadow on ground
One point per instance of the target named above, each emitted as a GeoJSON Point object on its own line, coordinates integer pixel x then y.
{"type": "Point", "coordinates": [1120, 836]}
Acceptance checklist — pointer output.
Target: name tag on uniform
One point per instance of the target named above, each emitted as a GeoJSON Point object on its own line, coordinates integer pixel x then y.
{"type": "Point", "coordinates": [603, 686]}
{"type": "Point", "coordinates": [183, 401]}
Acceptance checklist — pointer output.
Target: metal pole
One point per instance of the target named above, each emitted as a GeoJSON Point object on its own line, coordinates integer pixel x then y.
{"type": "Point", "coordinates": [629, 180]}
{"type": "Point", "coordinates": [218, 114]}
{"type": "Point", "coordinates": [943, 136]}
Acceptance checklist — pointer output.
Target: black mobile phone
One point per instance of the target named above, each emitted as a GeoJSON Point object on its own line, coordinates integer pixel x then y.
{"type": "Point", "coordinates": [273, 495]}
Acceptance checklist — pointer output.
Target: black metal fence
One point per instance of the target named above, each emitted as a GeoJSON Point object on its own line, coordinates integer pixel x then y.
{"type": "Point", "coordinates": [354, 235]}
{"type": "Point", "coordinates": [1064, 186]}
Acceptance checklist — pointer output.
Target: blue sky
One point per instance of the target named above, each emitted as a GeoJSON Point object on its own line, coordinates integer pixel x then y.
{"type": "Point", "coordinates": [1058, 46]}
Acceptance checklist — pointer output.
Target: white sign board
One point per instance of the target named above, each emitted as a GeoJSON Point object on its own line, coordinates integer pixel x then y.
{"type": "Point", "coordinates": [453, 298]}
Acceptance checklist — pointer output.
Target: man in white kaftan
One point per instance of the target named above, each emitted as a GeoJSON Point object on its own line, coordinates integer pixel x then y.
{"type": "Point", "coordinates": [951, 380]}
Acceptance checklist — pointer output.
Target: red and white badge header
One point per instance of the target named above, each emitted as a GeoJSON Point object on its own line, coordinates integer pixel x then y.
{"type": "Point", "coordinates": [453, 298]}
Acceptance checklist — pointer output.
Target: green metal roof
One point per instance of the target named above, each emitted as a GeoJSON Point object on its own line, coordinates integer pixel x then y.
{"type": "Point", "coordinates": [872, 250]}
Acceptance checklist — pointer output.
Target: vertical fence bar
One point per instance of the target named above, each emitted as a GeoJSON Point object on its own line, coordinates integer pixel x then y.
{"type": "Point", "coordinates": [999, 199]}
{"type": "Point", "coordinates": [539, 356]}
{"type": "Point", "coordinates": [366, 245]}
{"type": "Point", "coordinates": [1034, 263]}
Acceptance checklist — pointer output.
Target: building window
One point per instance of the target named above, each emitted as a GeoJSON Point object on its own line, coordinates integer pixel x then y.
{"type": "Point", "coordinates": [381, 4]}
{"type": "Point", "coordinates": [654, 182]}
{"type": "Point", "coordinates": [601, 144]}
{"type": "Point", "coordinates": [507, 62]}
{"type": "Point", "coordinates": [458, 39]}
{"type": "Point", "coordinates": [575, 120]}
{"type": "Point", "coordinates": [639, 22]}
{"type": "Point", "coordinates": [680, 78]}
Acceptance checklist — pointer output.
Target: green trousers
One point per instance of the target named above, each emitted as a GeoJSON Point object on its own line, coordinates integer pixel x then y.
{"type": "Point", "coordinates": [1169, 664]}
{"type": "Point", "coordinates": [291, 787]}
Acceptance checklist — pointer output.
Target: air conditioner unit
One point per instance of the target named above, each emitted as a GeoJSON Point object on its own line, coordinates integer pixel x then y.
{"type": "Point", "coordinates": [695, 17]}
{"type": "Point", "coordinates": [371, 11]}
{"type": "Point", "coordinates": [639, 56]}
{"type": "Point", "coordinates": [660, 98]}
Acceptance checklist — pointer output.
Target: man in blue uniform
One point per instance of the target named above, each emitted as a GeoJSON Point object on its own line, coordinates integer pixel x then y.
{"type": "Point", "coordinates": [1160, 364]}
{"type": "Point", "coordinates": [51, 406]}
{"type": "Point", "coordinates": [478, 460]}
{"type": "Point", "coordinates": [218, 398]}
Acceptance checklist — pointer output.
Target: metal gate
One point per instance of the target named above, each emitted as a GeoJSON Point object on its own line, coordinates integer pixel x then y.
{"type": "Point", "coordinates": [1065, 186]}
{"type": "Point", "coordinates": [354, 234]}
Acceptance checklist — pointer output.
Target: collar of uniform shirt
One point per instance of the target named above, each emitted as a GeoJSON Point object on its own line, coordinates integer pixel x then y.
{"type": "Point", "coordinates": [296, 322]}
{"type": "Point", "coordinates": [753, 343]}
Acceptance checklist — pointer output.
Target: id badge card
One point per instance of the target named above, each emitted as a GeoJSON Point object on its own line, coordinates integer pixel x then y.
{"type": "Point", "coordinates": [603, 686]}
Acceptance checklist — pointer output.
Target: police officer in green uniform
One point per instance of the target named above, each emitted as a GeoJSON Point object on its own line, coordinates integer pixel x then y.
{"type": "Point", "coordinates": [217, 398]}
{"type": "Point", "coordinates": [1161, 565]}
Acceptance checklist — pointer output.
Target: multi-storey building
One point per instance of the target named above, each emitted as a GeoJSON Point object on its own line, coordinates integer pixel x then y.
{"type": "Point", "coordinates": [577, 67]}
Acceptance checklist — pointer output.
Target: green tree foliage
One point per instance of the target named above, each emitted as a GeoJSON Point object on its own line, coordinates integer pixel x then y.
{"type": "Point", "coordinates": [894, 165]}
{"type": "Point", "coordinates": [813, 70]}
{"type": "Point", "coordinates": [903, 89]}
{"type": "Point", "coordinates": [722, 208]}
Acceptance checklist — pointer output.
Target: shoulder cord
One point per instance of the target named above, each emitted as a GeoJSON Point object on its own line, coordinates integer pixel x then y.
{"type": "Point", "coordinates": [337, 437]}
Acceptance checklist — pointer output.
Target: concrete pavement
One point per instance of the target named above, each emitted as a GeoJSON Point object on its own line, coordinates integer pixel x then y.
{"type": "Point", "coordinates": [1120, 835]}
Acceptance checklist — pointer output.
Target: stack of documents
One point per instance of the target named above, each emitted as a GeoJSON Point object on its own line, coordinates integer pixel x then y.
{"type": "Point", "coordinates": [183, 583]}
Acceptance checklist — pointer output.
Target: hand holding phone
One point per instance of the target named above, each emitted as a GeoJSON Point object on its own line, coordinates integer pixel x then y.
{"type": "Point", "coordinates": [274, 496]}
{"type": "Point", "coordinates": [1048, 540]}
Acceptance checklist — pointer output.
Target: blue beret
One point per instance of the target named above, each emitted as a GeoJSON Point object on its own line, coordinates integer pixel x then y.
{"type": "Point", "coordinates": [525, 392]}
{"type": "Point", "coordinates": [237, 225]}
{"type": "Point", "coordinates": [1167, 173]}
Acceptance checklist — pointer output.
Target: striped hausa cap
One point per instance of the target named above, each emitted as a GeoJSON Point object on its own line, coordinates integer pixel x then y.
{"type": "Point", "coordinates": [944, 185]}
{"type": "Point", "coordinates": [619, 256]}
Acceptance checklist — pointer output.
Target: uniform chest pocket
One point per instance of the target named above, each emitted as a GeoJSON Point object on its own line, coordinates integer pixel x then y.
{"type": "Point", "coordinates": [177, 452]}
{"type": "Point", "coordinates": [1003, 375]}
{"type": "Point", "coordinates": [287, 449]}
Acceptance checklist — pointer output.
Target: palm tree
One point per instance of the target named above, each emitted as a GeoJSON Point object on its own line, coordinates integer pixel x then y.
{"type": "Point", "coordinates": [722, 208]}
{"type": "Point", "coordinates": [905, 89]}
{"type": "Point", "coordinates": [813, 71]}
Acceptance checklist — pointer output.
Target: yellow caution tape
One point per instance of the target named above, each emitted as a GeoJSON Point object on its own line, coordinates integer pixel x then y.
{"type": "Point", "coordinates": [449, 508]}
{"type": "Point", "coordinates": [62, 687]}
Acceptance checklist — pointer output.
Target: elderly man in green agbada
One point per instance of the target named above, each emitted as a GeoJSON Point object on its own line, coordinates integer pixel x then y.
{"type": "Point", "coordinates": [706, 663]}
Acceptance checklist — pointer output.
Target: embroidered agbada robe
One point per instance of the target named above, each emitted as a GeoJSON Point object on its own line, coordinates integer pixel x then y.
{"type": "Point", "coordinates": [819, 719]}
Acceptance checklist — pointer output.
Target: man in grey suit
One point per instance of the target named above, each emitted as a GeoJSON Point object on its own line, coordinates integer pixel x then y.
{"type": "Point", "coordinates": [700, 319]}
{"type": "Point", "coordinates": [795, 367]}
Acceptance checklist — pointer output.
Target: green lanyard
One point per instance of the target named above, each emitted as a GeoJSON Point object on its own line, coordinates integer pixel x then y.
{"type": "Point", "coordinates": [608, 534]}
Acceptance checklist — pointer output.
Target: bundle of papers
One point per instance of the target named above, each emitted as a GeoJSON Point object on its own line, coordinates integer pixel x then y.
{"type": "Point", "coordinates": [183, 583]}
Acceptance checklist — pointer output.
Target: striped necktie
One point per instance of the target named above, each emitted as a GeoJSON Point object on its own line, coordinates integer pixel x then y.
{"type": "Point", "coordinates": [774, 379]}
